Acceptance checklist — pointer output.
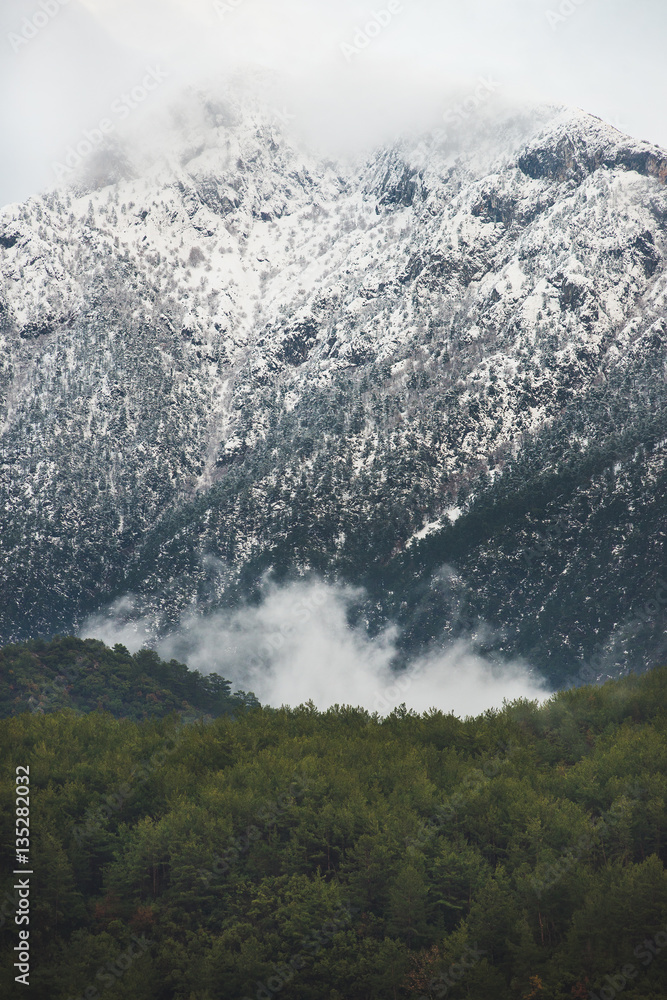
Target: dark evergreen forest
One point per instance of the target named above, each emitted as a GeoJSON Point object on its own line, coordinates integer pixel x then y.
{"type": "Point", "coordinates": [202, 847]}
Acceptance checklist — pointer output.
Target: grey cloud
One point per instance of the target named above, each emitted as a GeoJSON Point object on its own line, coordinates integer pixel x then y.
{"type": "Point", "coordinates": [604, 57]}
{"type": "Point", "coordinates": [296, 646]}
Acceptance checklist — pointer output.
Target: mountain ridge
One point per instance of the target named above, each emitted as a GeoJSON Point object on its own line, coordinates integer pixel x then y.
{"type": "Point", "coordinates": [263, 359]}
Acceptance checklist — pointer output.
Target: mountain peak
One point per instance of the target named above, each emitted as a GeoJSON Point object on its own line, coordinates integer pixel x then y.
{"type": "Point", "coordinates": [575, 144]}
{"type": "Point", "coordinates": [250, 355]}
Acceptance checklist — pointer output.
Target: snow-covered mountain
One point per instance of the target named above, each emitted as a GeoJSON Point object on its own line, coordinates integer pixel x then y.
{"type": "Point", "coordinates": [438, 371]}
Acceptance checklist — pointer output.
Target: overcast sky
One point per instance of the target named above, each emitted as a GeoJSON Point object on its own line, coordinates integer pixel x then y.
{"type": "Point", "coordinates": [65, 65]}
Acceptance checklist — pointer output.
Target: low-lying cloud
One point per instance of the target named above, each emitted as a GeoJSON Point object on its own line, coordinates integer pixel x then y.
{"type": "Point", "coordinates": [297, 646]}
{"type": "Point", "coordinates": [353, 72]}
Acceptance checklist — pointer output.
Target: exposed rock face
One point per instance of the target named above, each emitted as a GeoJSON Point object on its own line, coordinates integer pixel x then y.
{"type": "Point", "coordinates": [584, 147]}
{"type": "Point", "coordinates": [258, 358]}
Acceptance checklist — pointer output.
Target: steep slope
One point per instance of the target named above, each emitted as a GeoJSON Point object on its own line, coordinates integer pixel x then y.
{"type": "Point", "coordinates": [85, 675]}
{"type": "Point", "coordinates": [250, 357]}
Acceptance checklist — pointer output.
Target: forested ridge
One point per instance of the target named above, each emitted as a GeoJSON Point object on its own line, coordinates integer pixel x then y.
{"type": "Point", "coordinates": [84, 674]}
{"type": "Point", "coordinates": [290, 852]}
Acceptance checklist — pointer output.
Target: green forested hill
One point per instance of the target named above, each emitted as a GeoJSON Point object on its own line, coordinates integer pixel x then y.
{"type": "Point", "coordinates": [84, 674]}
{"type": "Point", "coordinates": [339, 856]}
